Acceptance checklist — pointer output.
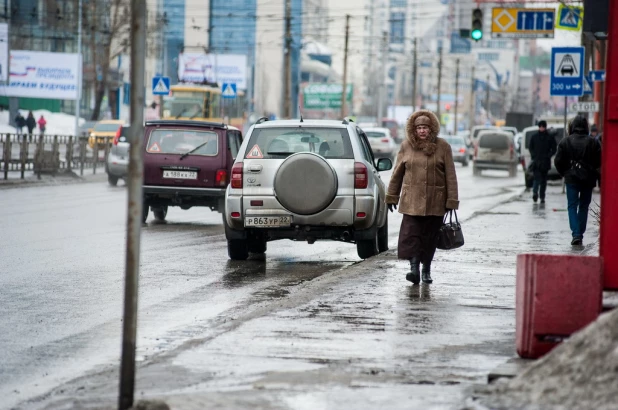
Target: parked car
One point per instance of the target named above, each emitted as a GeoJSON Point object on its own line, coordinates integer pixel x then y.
{"type": "Point", "coordinates": [86, 128]}
{"type": "Point", "coordinates": [187, 164]}
{"type": "Point", "coordinates": [555, 130]}
{"type": "Point", "coordinates": [117, 164]}
{"type": "Point", "coordinates": [382, 144]}
{"type": "Point", "coordinates": [495, 149]}
{"type": "Point", "coordinates": [458, 148]}
{"type": "Point", "coordinates": [306, 181]}
{"type": "Point", "coordinates": [393, 127]}
{"type": "Point", "coordinates": [104, 132]}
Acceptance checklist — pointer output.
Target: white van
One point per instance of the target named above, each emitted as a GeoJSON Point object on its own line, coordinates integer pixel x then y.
{"type": "Point", "coordinates": [557, 131]}
{"type": "Point", "coordinates": [495, 149]}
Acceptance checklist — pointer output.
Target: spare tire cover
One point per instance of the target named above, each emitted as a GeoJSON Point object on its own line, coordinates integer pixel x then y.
{"type": "Point", "coordinates": [305, 183]}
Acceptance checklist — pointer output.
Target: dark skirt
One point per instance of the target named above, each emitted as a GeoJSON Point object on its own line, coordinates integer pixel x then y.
{"type": "Point", "coordinates": [418, 237]}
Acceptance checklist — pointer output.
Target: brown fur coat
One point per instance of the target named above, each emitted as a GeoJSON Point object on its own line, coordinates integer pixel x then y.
{"type": "Point", "coordinates": [424, 181]}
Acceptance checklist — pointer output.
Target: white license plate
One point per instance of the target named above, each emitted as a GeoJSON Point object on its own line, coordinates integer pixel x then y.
{"type": "Point", "coordinates": [179, 174]}
{"type": "Point", "coordinates": [268, 221]}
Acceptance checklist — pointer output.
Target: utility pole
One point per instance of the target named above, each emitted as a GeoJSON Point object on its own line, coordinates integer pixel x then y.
{"type": "Point", "coordinates": [382, 90]}
{"type": "Point", "coordinates": [287, 79]}
{"type": "Point", "coordinates": [414, 73]}
{"type": "Point", "coordinates": [79, 68]}
{"type": "Point", "coordinates": [487, 97]}
{"type": "Point", "coordinates": [472, 112]}
{"type": "Point", "coordinates": [439, 84]}
{"type": "Point", "coordinates": [456, 95]}
{"type": "Point", "coordinates": [345, 66]}
{"type": "Point", "coordinates": [135, 204]}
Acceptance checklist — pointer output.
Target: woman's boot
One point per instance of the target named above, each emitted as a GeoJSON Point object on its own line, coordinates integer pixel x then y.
{"type": "Point", "coordinates": [415, 275]}
{"type": "Point", "coordinates": [427, 273]}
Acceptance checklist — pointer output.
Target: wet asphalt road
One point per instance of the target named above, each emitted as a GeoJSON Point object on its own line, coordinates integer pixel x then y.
{"type": "Point", "coordinates": [62, 291]}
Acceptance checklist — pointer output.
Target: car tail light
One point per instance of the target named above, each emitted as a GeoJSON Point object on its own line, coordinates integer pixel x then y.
{"type": "Point", "coordinates": [237, 175]}
{"type": "Point", "coordinates": [361, 214]}
{"type": "Point", "coordinates": [512, 151]}
{"type": "Point", "coordinates": [476, 151]}
{"type": "Point", "coordinates": [235, 214]}
{"type": "Point", "coordinates": [256, 203]}
{"type": "Point", "coordinates": [221, 178]}
{"type": "Point", "coordinates": [360, 176]}
{"type": "Point", "coordinates": [385, 140]}
{"type": "Point", "coordinates": [117, 136]}
{"type": "Point", "coordinates": [462, 150]}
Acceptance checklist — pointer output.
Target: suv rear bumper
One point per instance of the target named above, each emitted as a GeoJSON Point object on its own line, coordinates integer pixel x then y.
{"type": "Point", "coordinates": [174, 190]}
{"type": "Point", "coordinates": [494, 164]}
{"type": "Point", "coordinates": [184, 197]}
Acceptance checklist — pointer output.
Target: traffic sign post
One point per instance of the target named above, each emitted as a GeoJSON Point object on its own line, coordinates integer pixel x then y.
{"type": "Point", "coordinates": [587, 85]}
{"type": "Point", "coordinates": [522, 23]}
{"type": "Point", "coordinates": [228, 90]}
{"type": "Point", "coordinates": [570, 17]}
{"type": "Point", "coordinates": [597, 75]}
{"type": "Point", "coordinates": [567, 71]}
{"type": "Point", "coordinates": [160, 85]}
{"type": "Point", "coordinates": [584, 106]}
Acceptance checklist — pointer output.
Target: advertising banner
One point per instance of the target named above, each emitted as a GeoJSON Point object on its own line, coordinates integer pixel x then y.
{"type": "Point", "coordinates": [318, 96]}
{"type": "Point", "coordinates": [4, 52]}
{"type": "Point", "coordinates": [42, 75]}
{"type": "Point", "coordinates": [219, 68]}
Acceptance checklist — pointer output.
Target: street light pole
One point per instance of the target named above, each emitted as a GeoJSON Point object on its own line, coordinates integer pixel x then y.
{"type": "Point", "coordinates": [79, 67]}
{"type": "Point", "coordinates": [456, 96]}
{"type": "Point", "coordinates": [345, 66]}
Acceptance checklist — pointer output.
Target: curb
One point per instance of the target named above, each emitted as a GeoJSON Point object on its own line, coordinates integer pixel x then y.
{"type": "Point", "coordinates": [66, 178]}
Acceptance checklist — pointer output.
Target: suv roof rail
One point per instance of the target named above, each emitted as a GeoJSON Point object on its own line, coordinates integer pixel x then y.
{"type": "Point", "coordinates": [261, 120]}
{"type": "Point", "coordinates": [186, 122]}
{"type": "Point", "coordinates": [344, 121]}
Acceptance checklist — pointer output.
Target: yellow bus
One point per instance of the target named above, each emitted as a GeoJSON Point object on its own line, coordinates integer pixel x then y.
{"type": "Point", "coordinates": [204, 103]}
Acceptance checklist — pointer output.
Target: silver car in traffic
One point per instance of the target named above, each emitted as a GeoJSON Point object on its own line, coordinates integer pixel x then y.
{"type": "Point", "coordinates": [117, 164]}
{"type": "Point", "coordinates": [306, 181]}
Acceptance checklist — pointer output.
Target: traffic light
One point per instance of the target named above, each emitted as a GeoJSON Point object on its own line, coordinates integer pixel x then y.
{"type": "Point", "coordinates": [477, 25]}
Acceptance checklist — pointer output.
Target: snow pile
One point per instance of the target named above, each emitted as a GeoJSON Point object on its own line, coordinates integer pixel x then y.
{"type": "Point", "coordinates": [581, 373]}
{"type": "Point", "coordinates": [57, 123]}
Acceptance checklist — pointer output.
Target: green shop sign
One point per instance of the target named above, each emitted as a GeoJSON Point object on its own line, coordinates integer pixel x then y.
{"type": "Point", "coordinates": [325, 96]}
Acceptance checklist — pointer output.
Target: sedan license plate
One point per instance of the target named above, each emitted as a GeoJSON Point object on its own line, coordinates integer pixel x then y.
{"type": "Point", "coordinates": [268, 221]}
{"type": "Point", "coordinates": [180, 174]}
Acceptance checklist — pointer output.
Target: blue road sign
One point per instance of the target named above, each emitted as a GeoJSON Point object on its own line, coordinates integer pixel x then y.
{"type": "Point", "coordinates": [569, 17]}
{"type": "Point", "coordinates": [228, 90]}
{"type": "Point", "coordinates": [567, 71]}
{"type": "Point", "coordinates": [535, 20]}
{"type": "Point", "coordinates": [160, 85]}
{"type": "Point", "coordinates": [597, 75]}
{"type": "Point", "coordinates": [587, 85]}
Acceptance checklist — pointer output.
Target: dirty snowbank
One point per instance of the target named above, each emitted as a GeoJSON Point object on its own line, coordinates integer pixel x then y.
{"type": "Point", "coordinates": [581, 373]}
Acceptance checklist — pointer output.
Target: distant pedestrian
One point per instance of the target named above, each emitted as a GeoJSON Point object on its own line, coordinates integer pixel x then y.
{"type": "Point", "coordinates": [31, 124]}
{"type": "Point", "coordinates": [20, 123]}
{"type": "Point", "coordinates": [542, 148]}
{"type": "Point", "coordinates": [424, 184]}
{"type": "Point", "coordinates": [578, 160]}
{"type": "Point", "coordinates": [42, 123]}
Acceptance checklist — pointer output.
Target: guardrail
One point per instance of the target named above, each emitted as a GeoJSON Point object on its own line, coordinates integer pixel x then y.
{"type": "Point", "coordinates": [51, 154]}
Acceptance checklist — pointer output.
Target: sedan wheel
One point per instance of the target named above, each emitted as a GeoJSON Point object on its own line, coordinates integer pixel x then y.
{"type": "Point", "coordinates": [160, 213]}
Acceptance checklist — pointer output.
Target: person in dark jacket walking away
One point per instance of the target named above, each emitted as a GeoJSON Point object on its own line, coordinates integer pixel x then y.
{"type": "Point", "coordinates": [31, 124]}
{"type": "Point", "coordinates": [578, 160]}
{"type": "Point", "coordinates": [20, 123]}
{"type": "Point", "coordinates": [542, 148]}
{"type": "Point", "coordinates": [424, 184]}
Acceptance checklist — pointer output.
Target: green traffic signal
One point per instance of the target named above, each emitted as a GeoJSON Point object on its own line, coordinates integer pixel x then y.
{"type": "Point", "coordinates": [477, 25]}
{"type": "Point", "coordinates": [476, 34]}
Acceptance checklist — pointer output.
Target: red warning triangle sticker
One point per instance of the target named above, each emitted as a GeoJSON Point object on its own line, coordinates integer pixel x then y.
{"type": "Point", "coordinates": [154, 148]}
{"type": "Point", "coordinates": [255, 153]}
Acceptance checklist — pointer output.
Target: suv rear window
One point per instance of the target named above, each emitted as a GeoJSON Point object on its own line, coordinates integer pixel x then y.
{"type": "Point", "coordinates": [332, 143]}
{"type": "Point", "coordinates": [376, 134]}
{"type": "Point", "coordinates": [176, 141]}
{"type": "Point", "coordinates": [494, 141]}
{"type": "Point", "coordinates": [107, 127]}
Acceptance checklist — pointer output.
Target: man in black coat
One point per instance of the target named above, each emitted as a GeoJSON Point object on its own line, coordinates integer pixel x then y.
{"type": "Point", "coordinates": [578, 160]}
{"type": "Point", "coordinates": [542, 148]}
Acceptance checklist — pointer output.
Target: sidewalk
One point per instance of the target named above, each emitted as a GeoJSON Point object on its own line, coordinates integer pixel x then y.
{"type": "Point", "coordinates": [361, 337]}
{"type": "Point", "coordinates": [62, 178]}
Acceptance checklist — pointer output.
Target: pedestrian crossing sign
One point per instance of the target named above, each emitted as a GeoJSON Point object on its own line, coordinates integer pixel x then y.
{"type": "Point", "coordinates": [160, 85]}
{"type": "Point", "coordinates": [570, 17]}
{"type": "Point", "coordinates": [228, 90]}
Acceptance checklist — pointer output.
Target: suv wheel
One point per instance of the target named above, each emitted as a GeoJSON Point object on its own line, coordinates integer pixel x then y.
{"type": "Point", "coordinates": [513, 171]}
{"type": "Point", "coordinates": [475, 170]}
{"type": "Point", "coordinates": [112, 180]}
{"type": "Point", "coordinates": [237, 249]}
{"type": "Point", "coordinates": [367, 248]}
{"type": "Point", "coordinates": [160, 213]}
{"type": "Point", "coordinates": [383, 237]}
{"type": "Point", "coordinates": [256, 245]}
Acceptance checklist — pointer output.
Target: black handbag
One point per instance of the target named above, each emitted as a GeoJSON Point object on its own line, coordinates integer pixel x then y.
{"type": "Point", "coordinates": [451, 235]}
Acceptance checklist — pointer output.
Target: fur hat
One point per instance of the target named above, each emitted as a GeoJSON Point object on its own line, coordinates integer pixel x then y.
{"type": "Point", "coordinates": [422, 120]}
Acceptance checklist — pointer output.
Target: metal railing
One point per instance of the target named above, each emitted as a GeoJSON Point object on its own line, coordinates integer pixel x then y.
{"type": "Point", "coordinates": [51, 154]}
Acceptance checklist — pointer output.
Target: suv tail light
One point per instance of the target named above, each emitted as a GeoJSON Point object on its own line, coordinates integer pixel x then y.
{"type": "Point", "coordinates": [462, 150]}
{"type": "Point", "coordinates": [237, 175]}
{"type": "Point", "coordinates": [360, 176]}
{"type": "Point", "coordinates": [221, 178]}
{"type": "Point", "coordinates": [385, 140]}
{"type": "Point", "coordinates": [512, 151]}
{"type": "Point", "coordinates": [117, 136]}
{"type": "Point", "coordinates": [476, 150]}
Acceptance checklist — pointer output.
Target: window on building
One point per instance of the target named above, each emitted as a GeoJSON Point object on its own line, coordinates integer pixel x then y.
{"type": "Point", "coordinates": [397, 27]}
{"type": "Point", "coordinates": [398, 3]}
{"type": "Point", "coordinates": [489, 56]}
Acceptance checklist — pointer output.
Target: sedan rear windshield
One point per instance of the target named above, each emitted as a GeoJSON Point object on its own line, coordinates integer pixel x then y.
{"type": "Point", "coordinates": [178, 141]}
{"type": "Point", "coordinates": [455, 140]}
{"type": "Point", "coordinates": [494, 141]}
{"type": "Point", "coordinates": [271, 143]}
{"type": "Point", "coordinates": [376, 134]}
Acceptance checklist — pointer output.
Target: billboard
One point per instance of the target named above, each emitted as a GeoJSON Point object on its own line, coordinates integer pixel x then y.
{"type": "Point", "coordinates": [219, 68]}
{"type": "Point", "coordinates": [319, 96]}
{"type": "Point", "coordinates": [42, 75]}
{"type": "Point", "coordinates": [4, 52]}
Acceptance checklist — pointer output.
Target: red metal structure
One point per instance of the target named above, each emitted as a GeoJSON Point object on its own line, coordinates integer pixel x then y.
{"type": "Point", "coordinates": [609, 170]}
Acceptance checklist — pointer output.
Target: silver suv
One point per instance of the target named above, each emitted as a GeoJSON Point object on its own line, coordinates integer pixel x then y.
{"type": "Point", "coordinates": [306, 181]}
